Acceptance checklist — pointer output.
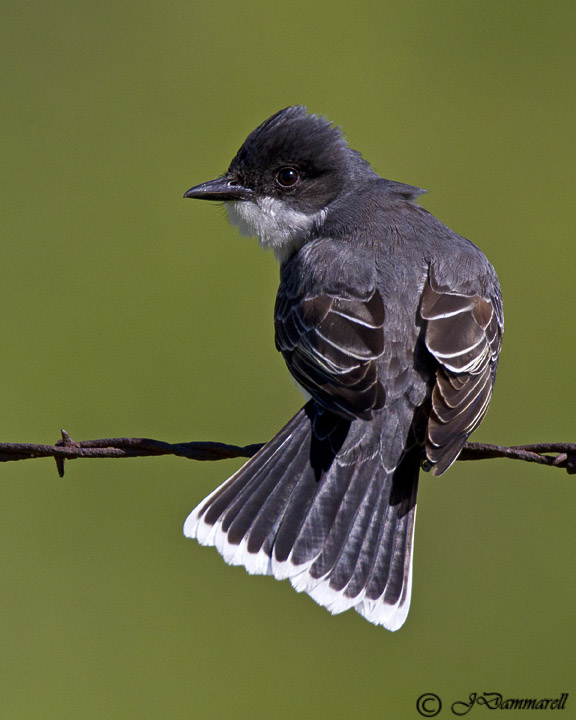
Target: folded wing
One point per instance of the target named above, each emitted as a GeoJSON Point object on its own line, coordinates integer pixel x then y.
{"type": "Point", "coordinates": [464, 334]}
{"type": "Point", "coordinates": [331, 345]}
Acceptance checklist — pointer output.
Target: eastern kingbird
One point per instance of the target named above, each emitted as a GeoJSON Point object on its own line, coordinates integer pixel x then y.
{"type": "Point", "coordinates": [392, 324]}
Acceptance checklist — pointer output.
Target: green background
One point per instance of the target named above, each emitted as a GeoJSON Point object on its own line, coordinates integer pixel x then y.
{"type": "Point", "coordinates": [126, 310]}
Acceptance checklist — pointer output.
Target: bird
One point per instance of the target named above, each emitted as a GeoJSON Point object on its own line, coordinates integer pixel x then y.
{"type": "Point", "coordinates": [391, 324]}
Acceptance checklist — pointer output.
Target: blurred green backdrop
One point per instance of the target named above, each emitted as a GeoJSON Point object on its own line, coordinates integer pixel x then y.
{"type": "Point", "coordinates": [126, 310]}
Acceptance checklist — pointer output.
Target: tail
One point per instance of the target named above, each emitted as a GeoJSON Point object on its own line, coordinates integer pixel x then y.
{"type": "Point", "coordinates": [329, 504]}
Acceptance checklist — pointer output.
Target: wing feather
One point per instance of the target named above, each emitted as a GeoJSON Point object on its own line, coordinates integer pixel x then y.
{"type": "Point", "coordinates": [464, 334]}
{"type": "Point", "coordinates": [331, 345]}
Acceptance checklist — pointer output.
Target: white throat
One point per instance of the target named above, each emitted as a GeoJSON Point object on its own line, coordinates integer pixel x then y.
{"type": "Point", "coordinates": [277, 226]}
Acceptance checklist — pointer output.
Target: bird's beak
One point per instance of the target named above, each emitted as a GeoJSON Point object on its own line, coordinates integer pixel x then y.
{"type": "Point", "coordinates": [223, 189]}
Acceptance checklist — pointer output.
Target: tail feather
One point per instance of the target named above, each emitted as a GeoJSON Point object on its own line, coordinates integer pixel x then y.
{"type": "Point", "coordinates": [261, 505]}
{"type": "Point", "coordinates": [326, 510]}
{"type": "Point", "coordinates": [355, 588]}
{"type": "Point", "coordinates": [338, 565]}
{"type": "Point", "coordinates": [210, 522]}
{"type": "Point", "coordinates": [336, 518]}
{"type": "Point", "coordinates": [342, 546]}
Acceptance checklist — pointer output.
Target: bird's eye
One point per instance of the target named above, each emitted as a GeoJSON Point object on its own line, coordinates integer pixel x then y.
{"type": "Point", "coordinates": [287, 177]}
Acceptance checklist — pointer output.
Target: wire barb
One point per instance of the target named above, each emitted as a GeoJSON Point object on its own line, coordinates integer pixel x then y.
{"type": "Point", "coordinates": [67, 441]}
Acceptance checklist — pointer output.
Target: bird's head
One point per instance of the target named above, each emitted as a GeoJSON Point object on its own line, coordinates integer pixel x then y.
{"type": "Point", "coordinates": [284, 177]}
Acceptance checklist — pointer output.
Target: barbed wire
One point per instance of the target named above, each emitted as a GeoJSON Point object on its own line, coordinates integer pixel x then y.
{"type": "Point", "coordinates": [560, 455]}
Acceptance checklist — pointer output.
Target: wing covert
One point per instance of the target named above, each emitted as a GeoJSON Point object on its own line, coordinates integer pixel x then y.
{"type": "Point", "coordinates": [464, 334]}
{"type": "Point", "coordinates": [330, 344]}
